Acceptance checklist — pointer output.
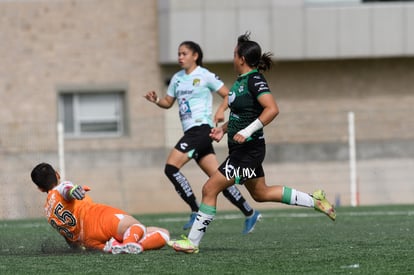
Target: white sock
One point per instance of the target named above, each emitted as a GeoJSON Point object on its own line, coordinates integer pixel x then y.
{"type": "Point", "coordinates": [199, 227]}
{"type": "Point", "coordinates": [301, 198]}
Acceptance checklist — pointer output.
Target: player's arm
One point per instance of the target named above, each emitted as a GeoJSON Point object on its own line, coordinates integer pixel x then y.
{"type": "Point", "coordinates": [260, 89]}
{"type": "Point", "coordinates": [164, 102]}
{"type": "Point", "coordinates": [73, 245]}
{"type": "Point", "coordinates": [219, 115]}
{"type": "Point", "coordinates": [71, 191]}
{"type": "Point", "coordinates": [270, 108]}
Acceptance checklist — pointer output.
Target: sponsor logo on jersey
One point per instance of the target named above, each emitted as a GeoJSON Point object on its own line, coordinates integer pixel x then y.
{"type": "Point", "coordinates": [185, 110]}
{"type": "Point", "coordinates": [263, 88]}
{"type": "Point", "coordinates": [196, 82]}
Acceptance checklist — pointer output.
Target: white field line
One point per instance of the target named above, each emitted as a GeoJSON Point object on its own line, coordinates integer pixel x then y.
{"type": "Point", "coordinates": [300, 215]}
{"type": "Point", "coordinates": [40, 224]}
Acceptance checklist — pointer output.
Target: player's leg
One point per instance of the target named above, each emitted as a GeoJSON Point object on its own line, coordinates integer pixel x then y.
{"type": "Point", "coordinates": [124, 232]}
{"type": "Point", "coordinates": [214, 185]}
{"type": "Point", "coordinates": [186, 149]}
{"type": "Point", "coordinates": [131, 231]}
{"type": "Point", "coordinates": [106, 226]}
{"type": "Point", "coordinates": [136, 237]}
{"type": "Point", "coordinates": [155, 238]}
{"type": "Point", "coordinates": [134, 233]}
{"type": "Point", "coordinates": [175, 161]}
{"type": "Point", "coordinates": [263, 193]}
{"type": "Point", "coordinates": [209, 165]}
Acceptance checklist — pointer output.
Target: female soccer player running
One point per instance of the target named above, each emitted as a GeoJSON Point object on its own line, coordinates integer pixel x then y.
{"type": "Point", "coordinates": [89, 225]}
{"type": "Point", "coordinates": [192, 87]}
{"type": "Point", "coordinates": [252, 107]}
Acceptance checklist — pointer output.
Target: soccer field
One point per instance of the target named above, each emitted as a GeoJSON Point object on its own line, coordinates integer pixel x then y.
{"type": "Point", "coordinates": [363, 240]}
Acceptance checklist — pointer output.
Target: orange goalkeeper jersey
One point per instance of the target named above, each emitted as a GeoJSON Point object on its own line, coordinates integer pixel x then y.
{"type": "Point", "coordinates": [81, 221]}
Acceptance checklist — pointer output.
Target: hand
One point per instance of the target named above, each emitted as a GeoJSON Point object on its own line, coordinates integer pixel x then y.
{"type": "Point", "coordinates": [77, 192]}
{"type": "Point", "coordinates": [217, 134]}
{"type": "Point", "coordinates": [152, 97]}
{"type": "Point", "coordinates": [239, 138]}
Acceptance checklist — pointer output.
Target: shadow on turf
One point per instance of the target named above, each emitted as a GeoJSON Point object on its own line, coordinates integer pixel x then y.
{"type": "Point", "coordinates": [46, 247]}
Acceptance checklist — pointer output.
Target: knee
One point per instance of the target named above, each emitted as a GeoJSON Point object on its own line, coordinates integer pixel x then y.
{"type": "Point", "coordinates": [169, 170]}
{"type": "Point", "coordinates": [210, 190]}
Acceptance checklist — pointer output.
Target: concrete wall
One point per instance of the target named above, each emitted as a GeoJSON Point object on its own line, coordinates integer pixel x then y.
{"type": "Point", "coordinates": [294, 29]}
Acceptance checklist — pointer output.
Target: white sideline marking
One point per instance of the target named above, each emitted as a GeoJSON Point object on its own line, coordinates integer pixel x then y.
{"type": "Point", "coordinates": [239, 216]}
{"type": "Point", "coordinates": [301, 215]}
{"type": "Point", "coordinates": [25, 225]}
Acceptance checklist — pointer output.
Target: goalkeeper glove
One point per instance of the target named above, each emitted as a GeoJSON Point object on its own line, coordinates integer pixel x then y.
{"type": "Point", "coordinates": [77, 192]}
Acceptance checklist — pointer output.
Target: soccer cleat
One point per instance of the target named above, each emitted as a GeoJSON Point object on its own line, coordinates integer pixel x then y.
{"type": "Point", "coordinates": [133, 248]}
{"type": "Point", "coordinates": [115, 247]}
{"type": "Point", "coordinates": [250, 222]}
{"type": "Point", "coordinates": [184, 245]}
{"type": "Point", "coordinates": [190, 221]}
{"type": "Point", "coordinates": [108, 246]}
{"type": "Point", "coordinates": [129, 248]}
{"type": "Point", "coordinates": [321, 204]}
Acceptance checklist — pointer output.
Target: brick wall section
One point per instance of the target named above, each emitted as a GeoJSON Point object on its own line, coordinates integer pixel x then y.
{"type": "Point", "coordinates": [45, 45]}
{"type": "Point", "coordinates": [50, 44]}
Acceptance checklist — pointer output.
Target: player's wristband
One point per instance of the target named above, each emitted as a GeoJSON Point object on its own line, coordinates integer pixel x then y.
{"type": "Point", "coordinates": [157, 100]}
{"type": "Point", "coordinates": [253, 127]}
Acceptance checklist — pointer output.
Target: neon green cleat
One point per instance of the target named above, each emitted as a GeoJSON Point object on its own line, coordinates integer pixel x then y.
{"type": "Point", "coordinates": [323, 205]}
{"type": "Point", "coordinates": [184, 245]}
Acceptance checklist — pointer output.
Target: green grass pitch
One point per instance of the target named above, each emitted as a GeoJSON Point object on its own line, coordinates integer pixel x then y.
{"type": "Point", "coordinates": [363, 240]}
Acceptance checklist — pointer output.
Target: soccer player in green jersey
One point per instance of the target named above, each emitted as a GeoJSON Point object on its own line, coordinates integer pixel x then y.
{"type": "Point", "coordinates": [192, 88]}
{"type": "Point", "coordinates": [252, 107]}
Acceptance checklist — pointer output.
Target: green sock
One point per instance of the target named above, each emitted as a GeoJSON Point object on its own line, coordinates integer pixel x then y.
{"type": "Point", "coordinates": [209, 210]}
{"type": "Point", "coordinates": [294, 197]}
{"type": "Point", "coordinates": [287, 195]}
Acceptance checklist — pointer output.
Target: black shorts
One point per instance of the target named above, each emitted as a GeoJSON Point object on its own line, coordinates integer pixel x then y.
{"type": "Point", "coordinates": [196, 142]}
{"type": "Point", "coordinates": [244, 162]}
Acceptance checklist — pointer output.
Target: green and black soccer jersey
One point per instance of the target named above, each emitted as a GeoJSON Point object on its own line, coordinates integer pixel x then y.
{"type": "Point", "coordinates": [243, 103]}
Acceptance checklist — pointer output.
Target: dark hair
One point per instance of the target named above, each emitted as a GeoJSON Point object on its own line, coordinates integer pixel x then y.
{"type": "Point", "coordinates": [252, 53]}
{"type": "Point", "coordinates": [195, 48]}
{"type": "Point", "coordinates": [44, 176]}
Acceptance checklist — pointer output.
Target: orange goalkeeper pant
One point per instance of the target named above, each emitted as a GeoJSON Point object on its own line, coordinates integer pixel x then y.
{"type": "Point", "coordinates": [99, 225]}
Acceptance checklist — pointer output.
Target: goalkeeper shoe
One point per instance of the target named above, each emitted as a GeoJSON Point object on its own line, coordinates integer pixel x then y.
{"type": "Point", "coordinates": [321, 204]}
{"type": "Point", "coordinates": [115, 247]}
{"type": "Point", "coordinates": [250, 222]}
{"type": "Point", "coordinates": [133, 248]}
{"type": "Point", "coordinates": [184, 245]}
{"type": "Point", "coordinates": [108, 246]}
{"type": "Point", "coordinates": [190, 221]}
{"type": "Point", "coordinates": [129, 248]}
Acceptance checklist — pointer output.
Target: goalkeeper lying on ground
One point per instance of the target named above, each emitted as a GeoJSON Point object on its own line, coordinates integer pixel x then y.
{"type": "Point", "coordinates": [85, 224]}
